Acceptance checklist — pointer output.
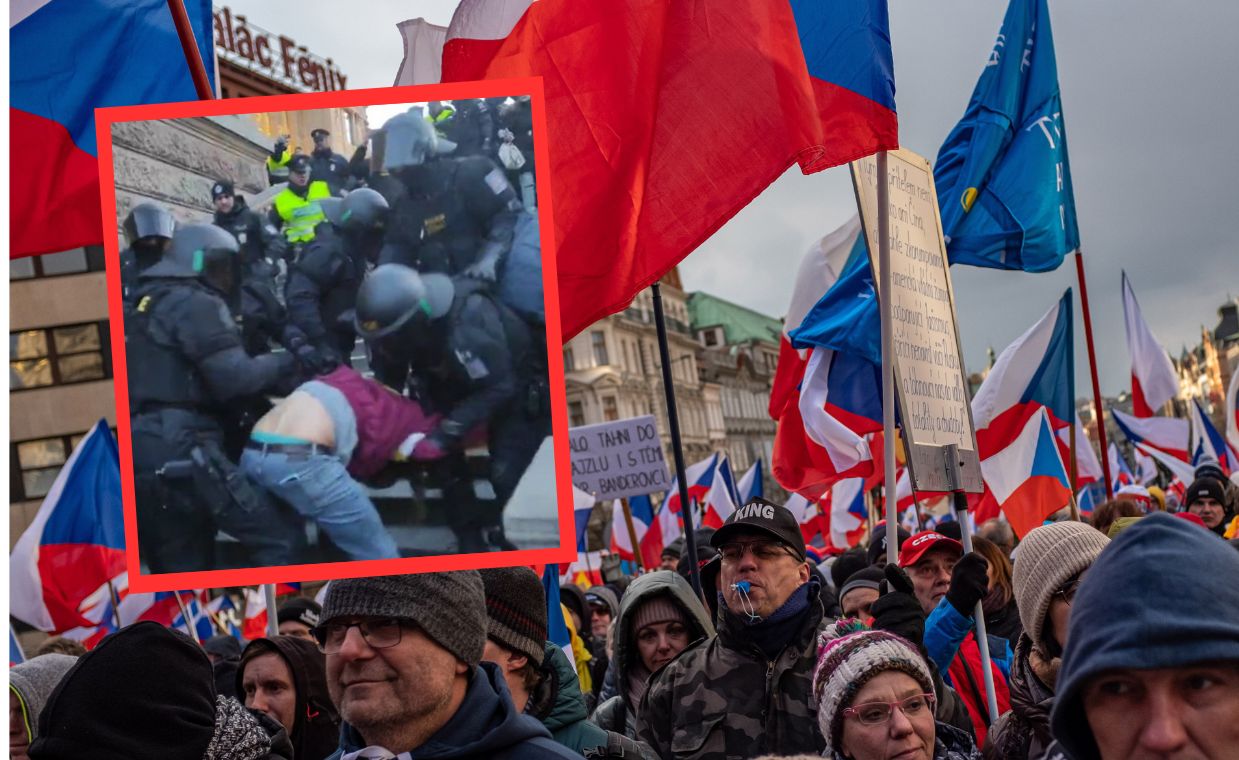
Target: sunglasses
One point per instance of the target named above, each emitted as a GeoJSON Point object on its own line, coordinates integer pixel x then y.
{"type": "Point", "coordinates": [762, 550]}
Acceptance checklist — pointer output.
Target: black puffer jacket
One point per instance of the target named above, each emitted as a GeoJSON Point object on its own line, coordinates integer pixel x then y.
{"type": "Point", "coordinates": [1023, 732]}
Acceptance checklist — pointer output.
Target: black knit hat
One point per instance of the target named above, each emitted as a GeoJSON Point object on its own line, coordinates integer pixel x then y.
{"type": "Point", "coordinates": [516, 610]}
{"type": "Point", "coordinates": [1205, 487]}
{"type": "Point", "coordinates": [450, 607]}
{"type": "Point", "coordinates": [221, 188]}
{"type": "Point", "coordinates": [302, 610]}
{"type": "Point", "coordinates": [113, 705]}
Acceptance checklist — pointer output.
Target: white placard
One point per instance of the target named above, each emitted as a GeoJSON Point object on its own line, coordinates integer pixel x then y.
{"type": "Point", "coordinates": [616, 460]}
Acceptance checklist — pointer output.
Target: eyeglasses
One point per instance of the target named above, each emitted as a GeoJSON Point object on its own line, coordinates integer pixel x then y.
{"type": "Point", "coordinates": [1068, 591]}
{"type": "Point", "coordinates": [379, 634]}
{"type": "Point", "coordinates": [873, 713]}
{"type": "Point", "coordinates": [763, 550]}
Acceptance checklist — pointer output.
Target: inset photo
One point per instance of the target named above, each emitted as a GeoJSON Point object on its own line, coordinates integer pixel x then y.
{"type": "Point", "coordinates": [335, 315]}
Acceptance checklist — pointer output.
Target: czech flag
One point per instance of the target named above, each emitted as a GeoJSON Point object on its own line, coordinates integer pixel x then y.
{"type": "Point", "coordinates": [750, 484]}
{"type": "Point", "coordinates": [1088, 466]}
{"type": "Point", "coordinates": [642, 517]}
{"type": "Point", "coordinates": [69, 57]}
{"type": "Point", "coordinates": [677, 114]}
{"type": "Point", "coordinates": [1208, 444]}
{"type": "Point", "coordinates": [1232, 412]}
{"type": "Point", "coordinates": [720, 500]}
{"type": "Point", "coordinates": [1153, 379]}
{"type": "Point", "coordinates": [1168, 435]}
{"type": "Point", "coordinates": [582, 508]}
{"type": "Point", "coordinates": [1027, 478]}
{"type": "Point", "coordinates": [61, 566]}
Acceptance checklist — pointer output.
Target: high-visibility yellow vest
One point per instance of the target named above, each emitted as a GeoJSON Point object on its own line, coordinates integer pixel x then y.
{"type": "Point", "coordinates": [279, 169]}
{"type": "Point", "coordinates": [301, 215]}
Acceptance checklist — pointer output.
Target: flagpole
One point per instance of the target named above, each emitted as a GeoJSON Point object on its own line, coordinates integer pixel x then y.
{"type": "Point", "coordinates": [632, 536]}
{"type": "Point", "coordinates": [115, 603]}
{"type": "Point", "coordinates": [888, 367]}
{"type": "Point", "coordinates": [189, 628]}
{"type": "Point", "coordinates": [673, 423]}
{"type": "Point", "coordinates": [1092, 367]}
{"type": "Point", "coordinates": [1075, 508]}
{"type": "Point", "coordinates": [273, 622]}
{"type": "Point", "coordinates": [189, 46]}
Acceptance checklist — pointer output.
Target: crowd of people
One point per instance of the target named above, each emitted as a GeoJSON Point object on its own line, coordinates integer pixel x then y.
{"type": "Point", "coordinates": [423, 250]}
{"type": "Point", "coordinates": [1102, 645]}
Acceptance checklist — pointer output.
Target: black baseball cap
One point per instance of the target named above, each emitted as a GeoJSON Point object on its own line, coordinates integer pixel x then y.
{"type": "Point", "coordinates": [762, 516]}
{"type": "Point", "coordinates": [301, 610]}
{"type": "Point", "coordinates": [221, 188]}
{"type": "Point", "coordinates": [299, 163]}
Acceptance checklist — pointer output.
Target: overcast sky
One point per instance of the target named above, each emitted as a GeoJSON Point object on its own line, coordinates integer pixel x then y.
{"type": "Point", "coordinates": [1150, 105]}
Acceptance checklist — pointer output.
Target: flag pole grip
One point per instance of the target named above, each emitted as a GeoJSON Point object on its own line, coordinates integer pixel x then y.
{"type": "Point", "coordinates": [273, 621]}
{"type": "Point", "coordinates": [189, 46]}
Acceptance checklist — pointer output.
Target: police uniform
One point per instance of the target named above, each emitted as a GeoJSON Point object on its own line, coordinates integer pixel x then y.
{"type": "Point", "coordinates": [296, 211]}
{"type": "Point", "coordinates": [182, 336]}
{"type": "Point", "coordinates": [262, 316]}
{"type": "Point", "coordinates": [455, 212]}
{"type": "Point", "coordinates": [325, 166]}
{"type": "Point", "coordinates": [478, 365]}
{"type": "Point", "coordinates": [322, 287]}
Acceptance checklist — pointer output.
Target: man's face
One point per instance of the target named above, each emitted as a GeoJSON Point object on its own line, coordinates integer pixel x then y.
{"type": "Point", "coordinates": [1209, 509]}
{"type": "Point", "coordinates": [18, 740]}
{"type": "Point", "coordinates": [668, 562]}
{"type": "Point", "coordinates": [599, 620]}
{"type": "Point", "coordinates": [321, 140]}
{"type": "Point", "coordinates": [856, 603]}
{"type": "Point", "coordinates": [931, 576]}
{"type": "Point", "coordinates": [296, 628]}
{"type": "Point", "coordinates": [1182, 713]}
{"type": "Point", "coordinates": [769, 567]}
{"type": "Point", "coordinates": [510, 665]}
{"type": "Point", "coordinates": [387, 687]}
{"type": "Point", "coordinates": [659, 643]}
{"type": "Point", "coordinates": [224, 203]}
{"type": "Point", "coordinates": [300, 179]}
{"type": "Point", "coordinates": [268, 686]}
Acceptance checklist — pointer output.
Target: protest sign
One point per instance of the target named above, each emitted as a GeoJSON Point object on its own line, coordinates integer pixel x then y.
{"type": "Point", "coordinates": [616, 460]}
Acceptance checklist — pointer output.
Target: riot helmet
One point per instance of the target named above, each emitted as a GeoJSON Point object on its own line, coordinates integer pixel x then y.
{"type": "Point", "coordinates": [394, 296]}
{"type": "Point", "coordinates": [148, 227]}
{"type": "Point", "coordinates": [361, 209]}
{"type": "Point", "coordinates": [410, 140]}
{"type": "Point", "coordinates": [203, 252]}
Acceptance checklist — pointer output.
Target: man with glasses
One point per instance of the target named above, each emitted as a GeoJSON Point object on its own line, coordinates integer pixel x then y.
{"type": "Point", "coordinates": [949, 585]}
{"type": "Point", "coordinates": [404, 668]}
{"type": "Point", "coordinates": [748, 689]}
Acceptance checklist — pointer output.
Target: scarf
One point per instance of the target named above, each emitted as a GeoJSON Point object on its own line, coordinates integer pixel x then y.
{"type": "Point", "coordinates": [238, 735]}
{"type": "Point", "coordinates": [772, 634]}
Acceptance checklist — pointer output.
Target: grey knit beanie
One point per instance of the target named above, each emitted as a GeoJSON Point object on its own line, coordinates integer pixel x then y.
{"type": "Point", "coordinates": [450, 607]}
{"type": "Point", "coordinates": [516, 610]}
{"type": "Point", "coordinates": [34, 681]}
{"type": "Point", "coordinates": [1049, 556]}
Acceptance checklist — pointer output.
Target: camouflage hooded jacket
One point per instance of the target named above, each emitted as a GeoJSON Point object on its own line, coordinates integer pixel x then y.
{"type": "Point", "coordinates": [722, 699]}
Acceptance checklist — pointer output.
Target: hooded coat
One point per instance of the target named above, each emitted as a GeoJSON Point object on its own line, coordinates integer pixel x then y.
{"type": "Point", "coordinates": [485, 726]}
{"type": "Point", "coordinates": [114, 705]}
{"type": "Point", "coordinates": [1023, 732]}
{"type": "Point", "coordinates": [33, 681]}
{"type": "Point", "coordinates": [315, 732]}
{"type": "Point", "coordinates": [619, 713]}
{"type": "Point", "coordinates": [1162, 595]}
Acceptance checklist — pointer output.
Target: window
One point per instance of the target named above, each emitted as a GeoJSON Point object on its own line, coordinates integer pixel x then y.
{"type": "Point", "coordinates": [569, 362]}
{"type": "Point", "coordinates": [75, 261]}
{"type": "Point", "coordinates": [59, 356]}
{"type": "Point", "coordinates": [709, 338]}
{"type": "Point", "coordinates": [610, 410]}
{"type": "Point", "coordinates": [576, 414]}
{"type": "Point", "coordinates": [35, 464]}
{"type": "Point", "coordinates": [599, 339]}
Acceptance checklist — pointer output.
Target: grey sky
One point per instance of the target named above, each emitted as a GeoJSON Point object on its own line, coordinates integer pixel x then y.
{"type": "Point", "coordinates": [1149, 97]}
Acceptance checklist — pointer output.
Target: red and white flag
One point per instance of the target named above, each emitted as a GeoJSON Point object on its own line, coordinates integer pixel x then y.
{"type": "Point", "coordinates": [423, 52]}
{"type": "Point", "coordinates": [1153, 379]}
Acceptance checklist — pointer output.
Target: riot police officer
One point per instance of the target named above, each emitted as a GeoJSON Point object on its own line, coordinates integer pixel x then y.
{"type": "Point", "coordinates": [456, 216]}
{"type": "Point", "coordinates": [322, 284]}
{"type": "Point", "coordinates": [148, 229]}
{"type": "Point", "coordinates": [262, 314]}
{"type": "Point", "coordinates": [180, 333]}
{"type": "Point", "coordinates": [470, 358]}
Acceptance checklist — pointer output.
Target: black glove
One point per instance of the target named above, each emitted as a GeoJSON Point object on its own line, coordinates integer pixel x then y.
{"type": "Point", "coordinates": [277, 150]}
{"type": "Point", "coordinates": [969, 583]}
{"type": "Point", "coordinates": [897, 609]}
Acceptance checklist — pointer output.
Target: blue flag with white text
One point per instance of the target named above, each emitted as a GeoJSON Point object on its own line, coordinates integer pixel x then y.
{"type": "Point", "coordinates": [1003, 178]}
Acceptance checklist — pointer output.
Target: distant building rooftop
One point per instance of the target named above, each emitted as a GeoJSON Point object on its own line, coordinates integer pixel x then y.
{"type": "Point", "coordinates": [740, 324]}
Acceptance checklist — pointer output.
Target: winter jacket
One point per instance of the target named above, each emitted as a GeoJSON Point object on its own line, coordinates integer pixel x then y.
{"type": "Point", "coordinates": [619, 713]}
{"type": "Point", "coordinates": [485, 726]}
{"type": "Point", "coordinates": [952, 645]}
{"type": "Point", "coordinates": [722, 698]}
{"type": "Point", "coordinates": [316, 724]}
{"type": "Point", "coordinates": [558, 703]}
{"type": "Point", "coordinates": [1023, 732]}
{"type": "Point", "coordinates": [1162, 595]}
{"type": "Point", "coordinates": [1004, 623]}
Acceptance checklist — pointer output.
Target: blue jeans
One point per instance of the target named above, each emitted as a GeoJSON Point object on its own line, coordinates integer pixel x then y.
{"type": "Point", "coordinates": [319, 487]}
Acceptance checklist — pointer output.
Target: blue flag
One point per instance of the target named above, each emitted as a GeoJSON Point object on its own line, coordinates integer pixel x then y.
{"type": "Point", "coordinates": [1003, 179]}
{"type": "Point", "coordinates": [556, 628]}
{"type": "Point", "coordinates": [16, 655]}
